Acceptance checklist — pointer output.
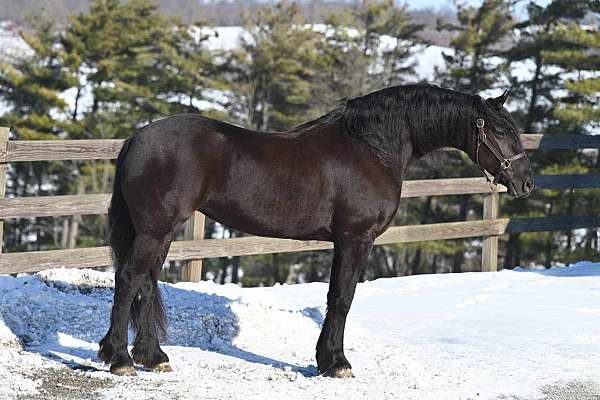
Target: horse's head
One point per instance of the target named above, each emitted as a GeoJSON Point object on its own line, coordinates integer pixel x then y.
{"type": "Point", "coordinates": [498, 149]}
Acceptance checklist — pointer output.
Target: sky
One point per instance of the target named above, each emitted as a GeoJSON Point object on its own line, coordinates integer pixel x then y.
{"type": "Point", "coordinates": [520, 8]}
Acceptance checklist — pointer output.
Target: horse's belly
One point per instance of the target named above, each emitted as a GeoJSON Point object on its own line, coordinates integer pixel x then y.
{"type": "Point", "coordinates": [293, 221]}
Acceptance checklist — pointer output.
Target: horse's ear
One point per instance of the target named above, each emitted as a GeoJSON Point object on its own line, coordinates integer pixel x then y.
{"type": "Point", "coordinates": [499, 101]}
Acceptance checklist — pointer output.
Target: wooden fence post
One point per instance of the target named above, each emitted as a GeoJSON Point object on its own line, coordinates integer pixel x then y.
{"type": "Point", "coordinates": [191, 271]}
{"type": "Point", "coordinates": [489, 250]}
{"type": "Point", "coordinates": [4, 134]}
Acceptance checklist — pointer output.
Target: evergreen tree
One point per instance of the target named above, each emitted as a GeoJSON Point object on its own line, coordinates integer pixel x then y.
{"type": "Point", "coordinates": [127, 49]}
{"type": "Point", "coordinates": [471, 67]}
{"type": "Point", "coordinates": [136, 65]}
{"type": "Point", "coordinates": [127, 65]}
{"type": "Point", "coordinates": [578, 113]}
{"type": "Point", "coordinates": [579, 108]}
{"type": "Point", "coordinates": [31, 86]}
{"type": "Point", "coordinates": [194, 70]}
{"type": "Point", "coordinates": [537, 35]}
{"type": "Point", "coordinates": [550, 40]}
{"type": "Point", "coordinates": [274, 69]}
{"type": "Point", "coordinates": [367, 48]}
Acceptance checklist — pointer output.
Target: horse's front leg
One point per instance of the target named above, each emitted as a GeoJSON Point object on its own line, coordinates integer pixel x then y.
{"type": "Point", "coordinates": [348, 259]}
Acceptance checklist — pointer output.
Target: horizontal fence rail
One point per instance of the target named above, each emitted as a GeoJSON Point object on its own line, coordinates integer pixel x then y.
{"type": "Point", "coordinates": [489, 228]}
{"type": "Point", "coordinates": [255, 245]}
{"type": "Point", "coordinates": [58, 150]}
{"type": "Point", "coordinates": [106, 149]}
{"type": "Point", "coordinates": [52, 206]}
{"type": "Point", "coordinates": [559, 142]}
{"type": "Point", "coordinates": [91, 204]}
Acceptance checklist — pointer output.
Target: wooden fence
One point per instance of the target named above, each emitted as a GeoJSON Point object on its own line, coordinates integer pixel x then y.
{"type": "Point", "coordinates": [195, 247]}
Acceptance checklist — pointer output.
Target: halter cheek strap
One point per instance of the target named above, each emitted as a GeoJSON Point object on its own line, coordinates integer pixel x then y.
{"type": "Point", "coordinates": [505, 163]}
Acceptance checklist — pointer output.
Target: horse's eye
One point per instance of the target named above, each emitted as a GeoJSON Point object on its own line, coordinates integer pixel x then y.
{"type": "Point", "coordinates": [507, 131]}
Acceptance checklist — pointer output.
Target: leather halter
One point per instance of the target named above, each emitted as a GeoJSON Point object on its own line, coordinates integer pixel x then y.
{"type": "Point", "coordinates": [505, 163]}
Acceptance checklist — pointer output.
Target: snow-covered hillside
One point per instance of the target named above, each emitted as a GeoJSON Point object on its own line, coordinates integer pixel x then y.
{"type": "Point", "coordinates": [522, 334]}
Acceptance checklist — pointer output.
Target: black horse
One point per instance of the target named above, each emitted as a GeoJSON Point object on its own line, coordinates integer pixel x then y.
{"type": "Point", "coordinates": [337, 178]}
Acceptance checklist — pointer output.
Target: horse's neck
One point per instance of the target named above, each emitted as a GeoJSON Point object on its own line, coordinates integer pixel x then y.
{"type": "Point", "coordinates": [446, 132]}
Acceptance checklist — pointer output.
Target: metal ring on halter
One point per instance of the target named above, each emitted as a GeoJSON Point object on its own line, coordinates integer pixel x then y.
{"type": "Point", "coordinates": [480, 123]}
{"type": "Point", "coordinates": [505, 164]}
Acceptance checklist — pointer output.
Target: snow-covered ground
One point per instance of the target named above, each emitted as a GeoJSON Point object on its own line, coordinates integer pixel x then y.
{"type": "Point", "coordinates": [522, 334]}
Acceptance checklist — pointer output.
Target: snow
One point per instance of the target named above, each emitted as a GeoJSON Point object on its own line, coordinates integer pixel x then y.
{"type": "Point", "coordinates": [224, 37]}
{"type": "Point", "coordinates": [506, 335]}
{"type": "Point", "coordinates": [11, 44]}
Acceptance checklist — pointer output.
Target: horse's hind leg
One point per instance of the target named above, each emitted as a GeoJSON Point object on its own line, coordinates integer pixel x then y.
{"type": "Point", "coordinates": [131, 280]}
{"type": "Point", "coordinates": [149, 322]}
{"type": "Point", "coordinates": [113, 347]}
{"type": "Point", "coordinates": [348, 259]}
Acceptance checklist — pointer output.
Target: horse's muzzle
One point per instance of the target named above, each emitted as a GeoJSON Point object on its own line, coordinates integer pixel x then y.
{"type": "Point", "coordinates": [521, 188]}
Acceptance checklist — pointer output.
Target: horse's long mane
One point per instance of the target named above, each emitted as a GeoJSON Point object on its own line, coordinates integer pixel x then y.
{"type": "Point", "coordinates": [331, 117]}
{"type": "Point", "coordinates": [424, 115]}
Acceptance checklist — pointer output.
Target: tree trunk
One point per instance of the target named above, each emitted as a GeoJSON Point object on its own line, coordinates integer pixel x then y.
{"type": "Point", "coordinates": [531, 112]}
{"type": "Point", "coordinates": [275, 267]}
{"type": "Point", "coordinates": [75, 220]}
{"type": "Point", "coordinates": [416, 263]}
{"type": "Point", "coordinates": [235, 268]}
{"type": "Point", "coordinates": [571, 207]}
{"type": "Point", "coordinates": [73, 232]}
{"type": "Point", "coordinates": [434, 264]}
{"type": "Point", "coordinates": [224, 265]}
{"type": "Point", "coordinates": [459, 256]}
{"type": "Point", "coordinates": [512, 257]}
{"type": "Point", "coordinates": [64, 239]}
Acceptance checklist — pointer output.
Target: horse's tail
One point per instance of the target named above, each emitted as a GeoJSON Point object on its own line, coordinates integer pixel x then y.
{"type": "Point", "coordinates": [120, 226]}
{"type": "Point", "coordinates": [121, 237]}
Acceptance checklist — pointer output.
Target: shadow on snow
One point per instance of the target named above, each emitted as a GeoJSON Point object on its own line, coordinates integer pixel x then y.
{"type": "Point", "coordinates": [59, 321]}
{"type": "Point", "coordinates": [576, 270]}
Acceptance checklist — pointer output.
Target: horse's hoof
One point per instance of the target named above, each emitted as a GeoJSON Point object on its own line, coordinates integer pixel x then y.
{"type": "Point", "coordinates": [340, 373]}
{"type": "Point", "coordinates": [162, 367]}
{"type": "Point", "coordinates": [123, 370]}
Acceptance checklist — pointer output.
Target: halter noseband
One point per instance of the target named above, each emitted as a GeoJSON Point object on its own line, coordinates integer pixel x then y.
{"type": "Point", "coordinates": [505, 163]}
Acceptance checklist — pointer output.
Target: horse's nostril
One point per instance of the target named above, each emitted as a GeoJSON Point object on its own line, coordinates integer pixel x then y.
{"type": "Point", "coordinates": [527, 185]}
